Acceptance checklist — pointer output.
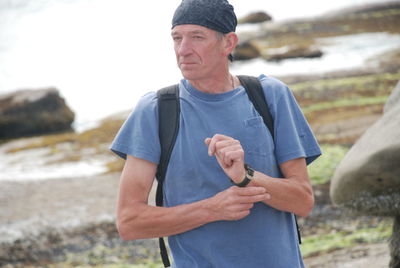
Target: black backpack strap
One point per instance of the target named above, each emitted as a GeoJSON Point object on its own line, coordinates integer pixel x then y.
{"type": "Point", "coordinates": [257, 97]}
{"type": "Point", "coordinates": [168, 123]}
{"type": "Point", "coordinates": [168, 118]}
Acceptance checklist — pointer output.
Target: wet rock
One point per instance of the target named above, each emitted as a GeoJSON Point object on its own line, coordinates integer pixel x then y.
{"type": "Point", "coordinates": [91, 245]}
{"type": "Point", "coordinates": [290, 52]}
{"type": "Point", "coordinates": [246, 50]}
{"type": "Point", "coordinates": [255, 17]}
{"type": "Point", "coordinates": [33, 112]}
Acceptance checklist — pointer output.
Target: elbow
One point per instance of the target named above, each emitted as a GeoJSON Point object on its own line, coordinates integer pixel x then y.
{"type": "Point", "coordinates": [123, 232]}
{"type": "Point", "coordinates": [126, 231]}
{"type": "Point", "coordinates": [307, 205]}
{"type": "Point", "coordinates": [306, 210]}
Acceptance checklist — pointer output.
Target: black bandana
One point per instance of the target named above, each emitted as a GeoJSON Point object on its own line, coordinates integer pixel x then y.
{"type": "Point", "coordinates": [217, 15]}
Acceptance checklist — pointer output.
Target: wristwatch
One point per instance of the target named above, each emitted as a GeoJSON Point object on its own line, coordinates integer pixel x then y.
{"type": "Point", "coordinates": [247, 178]}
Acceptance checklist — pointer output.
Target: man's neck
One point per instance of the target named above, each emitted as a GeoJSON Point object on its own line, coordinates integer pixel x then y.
{"type": "Point", "coordinates": [215, 85]}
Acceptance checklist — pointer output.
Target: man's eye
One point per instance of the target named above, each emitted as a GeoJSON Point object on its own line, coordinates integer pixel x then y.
{"type": "Point", "coordinates": [176, 38]}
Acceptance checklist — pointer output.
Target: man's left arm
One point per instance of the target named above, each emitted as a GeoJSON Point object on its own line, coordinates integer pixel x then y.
{"type": "Point", "coordinates": [293, 193]}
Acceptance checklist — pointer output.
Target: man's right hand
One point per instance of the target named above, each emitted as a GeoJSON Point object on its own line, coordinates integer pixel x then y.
{"type": "Point", "coordinates": [235, 203]}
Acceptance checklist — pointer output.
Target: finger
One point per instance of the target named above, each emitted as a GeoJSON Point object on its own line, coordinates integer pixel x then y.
{"type": "Point", "coordinates": [214, 140]}
{"type": "Point", "coordinates": [210, 144]}
{"type": "Point", "coordinates": [250, 200]}
{"type": "Point", "coordinates": [238, 215]}
{"type": "Point", "coordinates": [230, 157]}
{"type": "Point", "coordinates": [240, 195]}
{"type": "Point", "coordinates": [207, 141]}
{"type": "Point", "coordinates": [227, 143]}
{"type": "Point", "coordinates": [250, 190]}
{"type": "Point", "coordinates": [256, 198]}
{"type": "Point", "coordinates": [229, 151]}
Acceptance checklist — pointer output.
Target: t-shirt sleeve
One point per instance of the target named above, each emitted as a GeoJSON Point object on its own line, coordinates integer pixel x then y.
{"type": "Point", "coordinates": [138, 135]}
{"type": "Point", "coordinates": [293, 135]}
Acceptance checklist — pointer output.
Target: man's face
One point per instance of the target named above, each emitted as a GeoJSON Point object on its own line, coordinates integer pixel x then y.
{"type": "Point", "coordinates": [199, 52]}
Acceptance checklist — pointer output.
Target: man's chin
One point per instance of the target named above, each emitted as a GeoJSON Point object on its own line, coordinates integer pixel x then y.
{"type": "Point", "coordinates": [189, 74]}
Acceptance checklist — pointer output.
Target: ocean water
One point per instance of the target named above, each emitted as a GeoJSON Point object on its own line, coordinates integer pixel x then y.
{"type": "Point", "coordinates": [104, 54]}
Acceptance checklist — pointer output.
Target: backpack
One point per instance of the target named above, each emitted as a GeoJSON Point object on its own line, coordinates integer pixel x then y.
{"type": "Point", "coordinates": [169, 114]}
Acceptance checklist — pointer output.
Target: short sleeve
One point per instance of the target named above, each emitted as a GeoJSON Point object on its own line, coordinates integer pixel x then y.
{"type": "Point", "coordinates": [138, 135]}
{"type": "Point", "coordinates": [293, 135]}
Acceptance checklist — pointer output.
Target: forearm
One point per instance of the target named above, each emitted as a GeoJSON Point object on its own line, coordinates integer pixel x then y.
{"type": "Point", "coordinates": [138, 220]}
{"type": "Point", "coordinates": [286, 194]}
{"type": "Point", "coordinates": [144, 221]}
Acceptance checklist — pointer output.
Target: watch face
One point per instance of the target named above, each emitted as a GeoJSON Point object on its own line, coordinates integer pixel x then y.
{"type": "Point", "coordinates": [249, 171]}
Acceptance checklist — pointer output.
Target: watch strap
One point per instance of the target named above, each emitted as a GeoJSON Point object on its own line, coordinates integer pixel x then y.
{"type": "Point", "coordinates": [247, 178]}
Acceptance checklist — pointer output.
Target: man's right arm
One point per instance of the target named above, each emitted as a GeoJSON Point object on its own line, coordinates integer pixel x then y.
{"type": "Point", "coordinates": [137, 220]}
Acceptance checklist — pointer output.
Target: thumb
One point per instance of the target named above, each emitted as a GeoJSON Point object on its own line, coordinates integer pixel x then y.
{"type": "Point", "coordinates": [207, 141]}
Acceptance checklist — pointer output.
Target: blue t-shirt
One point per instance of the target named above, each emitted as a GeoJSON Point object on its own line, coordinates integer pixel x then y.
{"type": "Point", "coordinates": [265, 238]}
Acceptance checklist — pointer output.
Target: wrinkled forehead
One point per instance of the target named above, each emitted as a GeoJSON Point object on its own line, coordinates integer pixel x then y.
{"type": "Point", "coordinates": [191, 29]}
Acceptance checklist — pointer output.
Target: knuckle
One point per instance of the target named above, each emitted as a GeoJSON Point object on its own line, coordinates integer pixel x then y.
{"type": "Point", "coordinates": [217, 136]}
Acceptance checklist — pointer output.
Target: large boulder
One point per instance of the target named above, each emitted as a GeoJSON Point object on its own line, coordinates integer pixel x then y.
{"type": "Point", "coordinates": [33, 112]}
{"type": "Point", "coordinates": [368, 178]}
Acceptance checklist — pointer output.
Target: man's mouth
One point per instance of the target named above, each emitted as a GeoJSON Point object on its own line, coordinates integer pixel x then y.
{"type": "Point", "coordinates": [186, 64]}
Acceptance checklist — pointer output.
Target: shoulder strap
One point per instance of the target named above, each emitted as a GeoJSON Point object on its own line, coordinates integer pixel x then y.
{"type": "Point", "coordinates": [168, 123]}
{"type": "Point", "coordinates": [257, 97]}
{"type": "Point", "coordinates": [168, 127]}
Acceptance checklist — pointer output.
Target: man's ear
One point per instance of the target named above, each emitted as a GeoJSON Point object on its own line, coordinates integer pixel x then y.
{"type": "Point", "coordinates": [231, 41]}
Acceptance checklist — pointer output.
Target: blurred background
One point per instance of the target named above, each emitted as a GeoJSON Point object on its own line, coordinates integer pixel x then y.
{"type": "Point", "coordinates": [72, 70]}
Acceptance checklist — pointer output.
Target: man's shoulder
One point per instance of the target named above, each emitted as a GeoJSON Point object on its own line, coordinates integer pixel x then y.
{"type": "Point", "coordinates": [271, 82]}
{"type": "Point", "coordinates": [274, 89]}
{"type": "Point", "coordinates": [147, 101]}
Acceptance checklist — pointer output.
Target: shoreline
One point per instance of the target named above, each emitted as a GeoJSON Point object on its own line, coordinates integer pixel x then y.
{"type": "Point", "coordinates": [33, 206]}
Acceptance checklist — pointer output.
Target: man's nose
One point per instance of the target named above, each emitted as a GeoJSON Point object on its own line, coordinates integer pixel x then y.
{"type": "Point", "coordinates": [184, 47]}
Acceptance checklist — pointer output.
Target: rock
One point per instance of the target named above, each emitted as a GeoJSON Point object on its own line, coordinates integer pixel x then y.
{"type": "Point", "coordinates": [393, 100]}
{"type": "Point", "coordinates": [246, 50]}
{"type": "Point", "coordinates": [290, 52]}
{"type": "Point", "coordinates": [255, 17]}
{"type": "Point", "coordinates": [368, 178]}
{"type": "Point", "coordinates": [33, 112]}
{"type": "Point", "coordinates": [91, 245]}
